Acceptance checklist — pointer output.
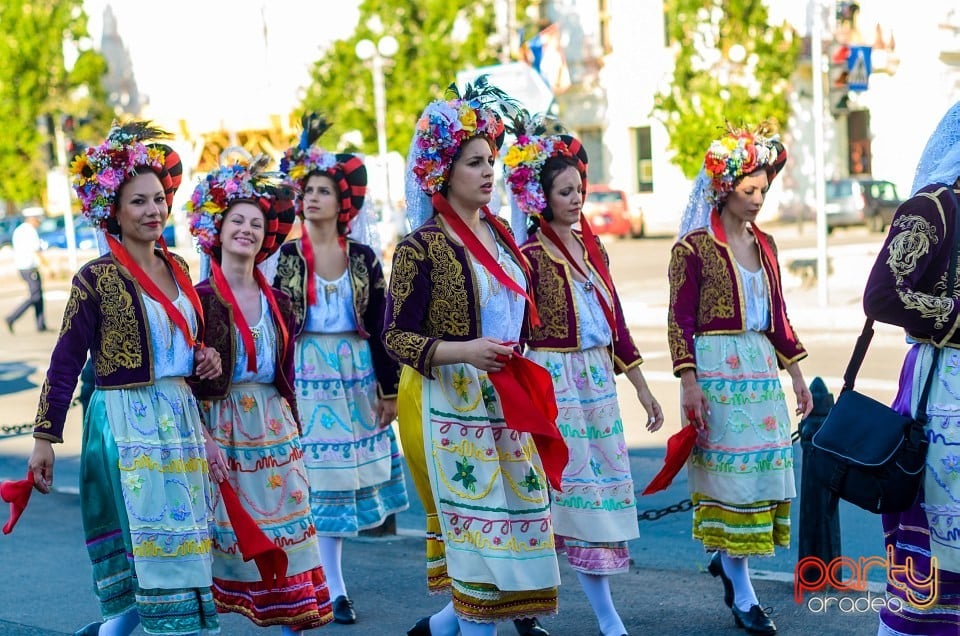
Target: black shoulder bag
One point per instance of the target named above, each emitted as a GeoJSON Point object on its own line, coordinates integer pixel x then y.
{"type": "Point", "coordinates": [867, 453]}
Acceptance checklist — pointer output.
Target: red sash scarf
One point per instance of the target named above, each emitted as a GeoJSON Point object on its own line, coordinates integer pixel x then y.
{"type": "Point", "coordinates": [146, 283]}
{"type": "Point", "coordinates": [307, 248]}
{"type": "Point", "coordinates": [246, 335]}
{"type": "Point", "coordinates": [479, 252]}
{"type": "Point", "coordinates": [766, 252]}
{"type": "Point", "coordinates": [597, 262]}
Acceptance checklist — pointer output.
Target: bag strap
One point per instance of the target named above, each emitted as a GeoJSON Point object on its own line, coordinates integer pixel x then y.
{"type": "Point", "coordinates": [863, 341]}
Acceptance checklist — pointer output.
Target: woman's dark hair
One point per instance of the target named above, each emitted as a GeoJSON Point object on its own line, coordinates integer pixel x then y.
{"type": "Point", "coordinates": [113, 226]}
{"type": "Point", "coordinates": [551, 168]}
{"type": "Point", "coordinates": [341, 227]}
{"type": "Point", "coordinates": [456, 157]}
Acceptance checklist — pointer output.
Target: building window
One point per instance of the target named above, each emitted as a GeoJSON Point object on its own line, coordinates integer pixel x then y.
{"type": "Point", "coordinates": [603, 9]}
{"type": "Point", "coordinates": [643, 149]}
{"type": "Point", "coordinates": [592, 140]}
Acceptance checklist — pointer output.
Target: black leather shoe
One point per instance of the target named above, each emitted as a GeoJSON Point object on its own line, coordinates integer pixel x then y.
{"type": "Point", "coordinates": [343, 611]}
{"type": "Point", "coordinates": [755, 621]}
{"type": "Point", "coordinates": [88, 630]}
{"type": "Point", "coordinates": [420, 628]}
{"type": "Point", "coordinates": [716, 568]}
{"type": "Point", "coordinates": [529, 627]}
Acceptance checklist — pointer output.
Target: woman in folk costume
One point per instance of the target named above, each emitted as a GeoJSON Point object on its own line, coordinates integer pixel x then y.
{"type": "Point", "coordinates": [456, 307]}
{"type": "Point", "coordinates": [583, 342]}
{"type": "Point", "coordinates": [240, 216]}
{"type": "Point", "coordinates": [729, 334]}
{"type": "Point", "coordinates": [346, 384]}
{"type": "Point", "coordinates": [145, 477]}
{"type": "Point", "coordinates": [907, 287]}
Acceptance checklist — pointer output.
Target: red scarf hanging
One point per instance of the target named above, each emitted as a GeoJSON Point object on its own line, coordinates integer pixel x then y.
{"type": "Point", "coordinates": [246, 334]}
{"type": "Point", "coordinates": [146, 283]}
{"type": "Point", "coordinates": [479, 252]}
{"type": "Point", "coordinates": [608, 313]}
{"type": "Point", "coordinates": [766, 251]}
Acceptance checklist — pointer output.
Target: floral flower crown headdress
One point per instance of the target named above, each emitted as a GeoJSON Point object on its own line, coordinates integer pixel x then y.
{"type": "Point", "coordinates": [98, 173]}
{"type": "Point", "coordinates": [347, 170]}
{"type": "Point", "coordinates": [242, 180]}
{"type": "Point", "coordinates": [739, 152]}
{"type": "Point", "coordinates": [448, 122]}
{"type": "Point", "coordinates": [538, 139]}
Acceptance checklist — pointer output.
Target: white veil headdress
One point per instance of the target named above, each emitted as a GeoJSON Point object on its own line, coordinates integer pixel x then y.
{"type": "Point", "coordinates": [940, 160]}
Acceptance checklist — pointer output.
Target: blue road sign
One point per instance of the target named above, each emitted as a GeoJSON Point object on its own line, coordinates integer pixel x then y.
{"type": "Point", "coordinates": [858, 68]}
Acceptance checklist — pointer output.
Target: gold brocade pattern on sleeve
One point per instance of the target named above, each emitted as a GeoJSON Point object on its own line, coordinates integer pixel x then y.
{"type": "Point", "coordinates": [677, 275]}
{"type": "Point", "coordinates": [716, 293]}
{"type": "Point", "coordinates": [120, 346]}
{"type": "Point", "coordinates": [360, 278]}
{"type": "Point", "coordinates": [77, 295]}
{"type": "Point", "coordinates": [912, 241]}
{"type": "Point", "coordinates": [291, 282]}
{"type": "Point", "coordinates": [448, 311]}
{"type": "Point", "coordinates": [551, 298]}
{"type": "Point", "coordinates": [42, 421]}
{"type": "Point", "coordinates": [405, 345]}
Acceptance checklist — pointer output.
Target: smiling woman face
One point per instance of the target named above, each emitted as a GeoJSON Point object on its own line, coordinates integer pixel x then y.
{"type": "Point", "coordinates": [141, 208]}
{"type": "Point", "coordinates": [470, 184]}
{"type": "Point", "coordinates": [242, 230]}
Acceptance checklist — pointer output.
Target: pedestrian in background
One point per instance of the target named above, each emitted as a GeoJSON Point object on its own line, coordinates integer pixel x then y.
{"type": "Point", "coordinates": [583, 342]}
{"type": "Point", "coordinates": [907, 288]}
{"type": "Point", "coordinates": [728, 334]}
{"type": "Point", "coordinates": [240, 216]}
{"type": "Point", "coordinates": [27, 259]}
{"type": "Point", "coordinates": [346, 384]}
{"type": "Point", "coordinates": [456, 307]}
{"type": "Point", "coordinates": [145, 477]}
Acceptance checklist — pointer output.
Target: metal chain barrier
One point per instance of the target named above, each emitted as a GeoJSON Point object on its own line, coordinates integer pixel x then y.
{"type": "Point", "coordinates": [685, 504]}
{"type": "Point", "coordinates": [15, 430]}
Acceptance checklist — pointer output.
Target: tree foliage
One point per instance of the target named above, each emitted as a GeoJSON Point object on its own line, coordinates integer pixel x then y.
{"type": "Point", "coordinates": [712, 84]}
{"type": "Point", "coordinates": [35, 83]}
{"type": "Point", "coordinates": [436, 39]}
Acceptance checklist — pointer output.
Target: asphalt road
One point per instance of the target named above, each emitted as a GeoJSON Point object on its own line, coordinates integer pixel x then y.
{"type": "Point", "coordinates": [667, 592]}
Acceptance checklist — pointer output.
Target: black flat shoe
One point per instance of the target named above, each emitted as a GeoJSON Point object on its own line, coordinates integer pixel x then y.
{"type": "Point", "coordinates": [420, 628]}
{"type": "Point", "coordinates": [529, 627]}
{"type": "Point", "coordinates": [755, 621]}
{"type": "Point", "coordinates": [343, 611]}
{"type": "Point", "coordinates": [716, 568]}
{"type": "Point", "coordinates": [89, 630]}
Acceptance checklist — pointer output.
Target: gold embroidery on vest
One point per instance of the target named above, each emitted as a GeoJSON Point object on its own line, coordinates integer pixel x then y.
{"type": "Point", "coordinates": [406, 345]}
{"type": "Point", "coordinates": [716, 290]}
{"type": "Point", "coordinates": [913, 241]}
{"type": "Point", "coordinates": [290, 278]}
{"type": "Point", "coordinates": [119, 328]}
{"type": "Point", "coordinates": [360, 278]}
{"type": "Point", "coordinates": [448, 311]}
{"type": "Point", "coordinates": [677, 275]}
{"type": "Point", "coordinates": [551, 295]}
{"type": "Point", "coordinates": [77, 295]}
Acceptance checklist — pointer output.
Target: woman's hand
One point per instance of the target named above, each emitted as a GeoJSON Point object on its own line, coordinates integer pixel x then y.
{"type": "Point", "coordinates": [41, 465]}
{"type": "Point", "coordinates": [216, 462]}
{"type": "Point", "coordinates": [487, 355]}
{"type": "Point", "coordinates": [693, 401]}
{"type": "Point", "coordinates": [386, 411]}
{"type": "Point", "coordinates": [804, 399]}
{"type": "Point", "coordinates": [652, 407]}
{"type": "Point", "coordinates": [207, 365]}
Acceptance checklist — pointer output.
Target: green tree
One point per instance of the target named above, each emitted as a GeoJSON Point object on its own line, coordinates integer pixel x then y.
{"type": "Point", "coordinates": [436, 39]}
{"type": "Point", "coordinates": [731, 65]}
{"type": "Point", "coordinates": [35, 86]}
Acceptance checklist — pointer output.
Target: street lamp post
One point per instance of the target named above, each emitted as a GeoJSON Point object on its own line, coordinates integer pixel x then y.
{"type": "Point", "coordinates": [377, 54]}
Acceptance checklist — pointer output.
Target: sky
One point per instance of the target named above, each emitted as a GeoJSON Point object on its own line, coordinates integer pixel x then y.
{"type": "Point", "coordinates": [210, 62]}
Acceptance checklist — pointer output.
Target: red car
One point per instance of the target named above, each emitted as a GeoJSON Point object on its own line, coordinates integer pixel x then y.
{"type": "Point", "coordinates": [607, 210]}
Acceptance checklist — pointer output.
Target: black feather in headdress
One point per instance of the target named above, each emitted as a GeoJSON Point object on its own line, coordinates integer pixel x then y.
{"type": "Point", "coordinates": [484, 93]}
{"type": "Point", "coordinates": [136, 130]}
{"type": "Point", "coordinates": [314, 125]}
{"type": "Point", "coordinates": [524, 123]}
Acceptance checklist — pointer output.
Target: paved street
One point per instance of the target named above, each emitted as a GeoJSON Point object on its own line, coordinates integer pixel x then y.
{"type": "Point", "coordinates": [666, 592]}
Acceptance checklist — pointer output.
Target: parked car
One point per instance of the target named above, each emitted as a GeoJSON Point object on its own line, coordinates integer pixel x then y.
{"type": "Point", "coordinates": [608, 211]}
{"type": "Point", "coordinates": [860, 202]}
{"type": "Point", "coordinates": [53, 234]}
{"type": "Point", "coordinates": [7, 225]}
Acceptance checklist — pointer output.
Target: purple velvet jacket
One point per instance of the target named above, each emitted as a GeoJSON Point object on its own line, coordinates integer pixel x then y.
{"type": "Point", "coordinates": [105, 316]}
{"type": "Point", "coordinates": [554, 297]}
{"type": "Point", "coordinates": [221, 334]}
{"type": "Point", "coordinates": [907, 285]}
{"type": "Point", "coordinates": [369, 295]}
{"type": "Point", "coordinates": [432, 297]}
{"type": "Point", "coordinates": [707, 296]}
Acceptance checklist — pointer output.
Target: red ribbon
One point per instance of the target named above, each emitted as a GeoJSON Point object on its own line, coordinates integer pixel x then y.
{"type": "Point", "coordinates": [479, 252]}
{"type": "Point", "coordinates": [551, 234]}
{"type": "Point", "coordinates": [529, 405]}
{"type": "Point", "coordinates": [183, 281]}
{"type": "Point", "coordinates": [307, 248]}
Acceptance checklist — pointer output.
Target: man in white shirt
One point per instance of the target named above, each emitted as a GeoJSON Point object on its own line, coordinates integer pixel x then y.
{"type": "Point", "coordinates": [26, 258]}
